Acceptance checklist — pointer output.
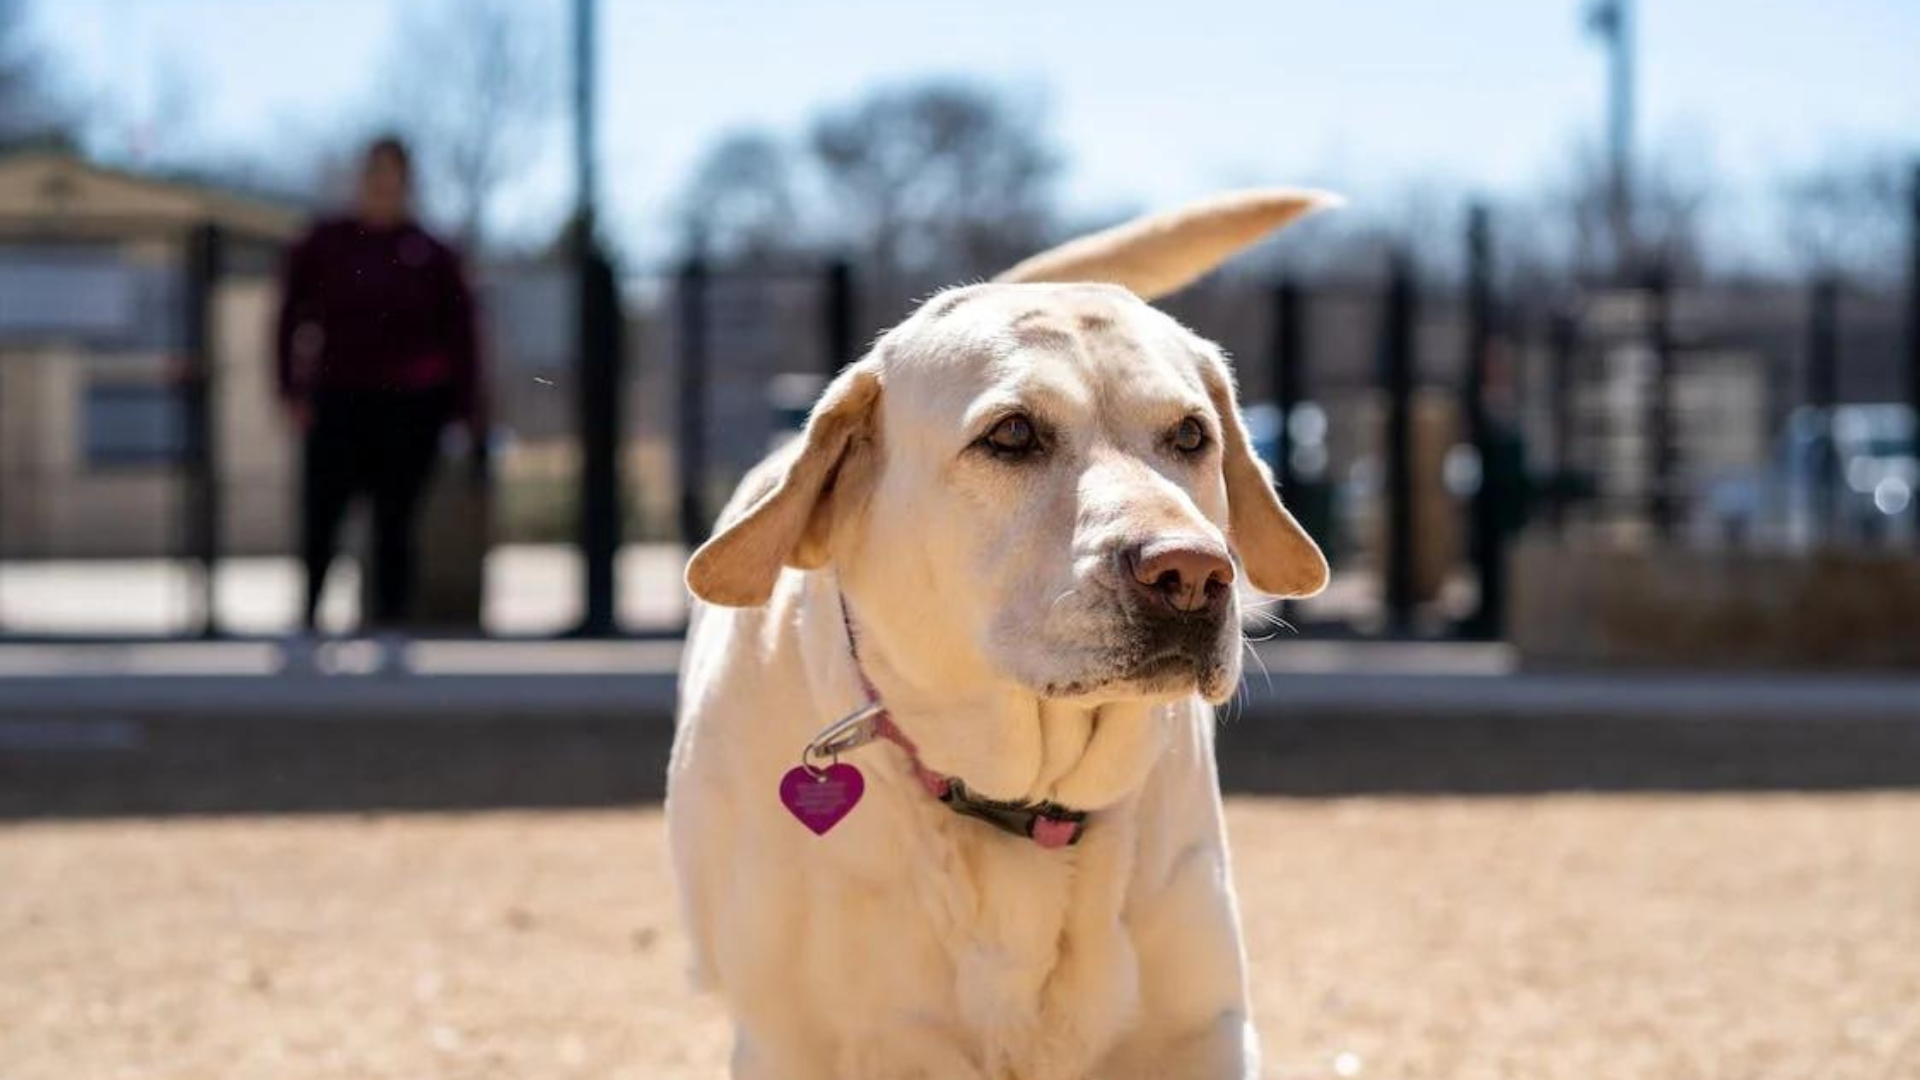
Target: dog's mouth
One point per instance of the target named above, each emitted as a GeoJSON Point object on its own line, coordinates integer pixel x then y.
{"type": "Point", "coordinates": [1157, 660]}
{"type": "Point", "coordinates": [1171, 668]}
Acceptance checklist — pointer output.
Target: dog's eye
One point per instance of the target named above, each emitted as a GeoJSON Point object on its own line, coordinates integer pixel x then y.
{"type": "Point", "coordinates": [1013, 437]}
{"type": "Point", "coordinates": [1190, 437]}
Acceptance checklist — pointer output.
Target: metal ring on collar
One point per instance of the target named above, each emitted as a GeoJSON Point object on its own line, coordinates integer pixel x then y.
{"type": "Point", "coordinates": [850, 732]}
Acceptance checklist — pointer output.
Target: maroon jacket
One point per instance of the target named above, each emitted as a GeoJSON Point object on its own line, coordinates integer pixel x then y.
{"type": "Point", "coordinates": [377, 309]}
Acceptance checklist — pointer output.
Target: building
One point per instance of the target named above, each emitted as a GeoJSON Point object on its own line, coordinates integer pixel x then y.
{"type": "Point", "coordinates": [92, 297]}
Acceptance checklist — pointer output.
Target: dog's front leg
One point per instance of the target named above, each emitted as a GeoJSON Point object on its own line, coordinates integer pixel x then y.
{"type": "Point", "coordinates": [1193, 1017]}
{"type": "Point", "coordinates": [906, 1048]}
{"type": "Point", "coordinates": [1224, 1049]}
{"type": "Point", "coordinates": [876, 1048]}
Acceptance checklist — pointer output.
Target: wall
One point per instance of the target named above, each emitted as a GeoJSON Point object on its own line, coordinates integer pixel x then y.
{"type": "Point", "coordinates": [1583, 605]}
{"type": "Point", "coordinates": [55, 504]}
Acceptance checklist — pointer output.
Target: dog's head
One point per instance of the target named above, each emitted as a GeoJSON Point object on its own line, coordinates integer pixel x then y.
{"type": "Point", "coordinates": [1043, 484]}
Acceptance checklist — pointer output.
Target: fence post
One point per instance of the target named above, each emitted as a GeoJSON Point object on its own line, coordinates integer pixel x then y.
{"type": "Point", "coordinates": [692, 454]}
{"type": "Point", "coordinates": [1913, 327]}
{"type": "Point", "coordinates": [1288, 338]}
{"type": "Point", "coordinates": [1285, 344]}
{"type": "Point", "coordinates": [200, 436]}
{"type": "Point", "coordinates": [1397, 378]}
{"type": "Point", "coordinates": [837, 316]}
{"type": "Point", "coordinates": [601, 359]}
{"type": "Point", "coordinates": [1821, 390]}
{"type": "Point", "coordinates": [1659, 405]}
{"type": "Point", "coordinates": [1489, 556]}
{"type": "Point", "coordinates": [5, 469]}
{"type": "Point", "coordinates": [1562, 341]}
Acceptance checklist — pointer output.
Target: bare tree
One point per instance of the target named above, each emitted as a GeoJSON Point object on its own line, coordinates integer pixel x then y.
{"type": "Point", "coordinates": [1672, 186]}
{"type": "Point", "coordinates": [158, 131]}
{"type": "Point", "coordinates": [308, 163]}
{"type": "Point", "coordinates": [1422, 220]}
{"type": "Point", "coordinates": [1846, 215]}
{"type": "Point", "coordinates": [29, 106]}
{"type": "Point", "coordinates": [743, 201]}
{"type": "Point", "coordinates": [939, 181]}
{"type": "Point", "coordinates": [473, 84]}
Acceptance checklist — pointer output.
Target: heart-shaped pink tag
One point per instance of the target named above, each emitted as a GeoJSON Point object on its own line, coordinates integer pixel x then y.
{"type": "Point", "coordinates": [821, 799]}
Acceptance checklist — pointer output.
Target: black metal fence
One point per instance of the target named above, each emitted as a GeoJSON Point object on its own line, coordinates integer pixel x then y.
{"type": "Point", "coordinates": [1416, 427]}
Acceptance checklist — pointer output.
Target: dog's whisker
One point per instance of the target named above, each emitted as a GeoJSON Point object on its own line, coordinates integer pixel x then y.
{"type": "Point", "coordinates": [1265, 673]}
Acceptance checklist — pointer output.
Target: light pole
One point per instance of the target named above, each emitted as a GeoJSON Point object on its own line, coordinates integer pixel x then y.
{"type": "Point", "coordinates": [1612, 22]}
{"type": "Point", "coordinates": [583, 108]}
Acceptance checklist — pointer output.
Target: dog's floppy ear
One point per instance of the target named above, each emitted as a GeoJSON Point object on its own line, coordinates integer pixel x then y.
{"type": "Point", "coordinates": [783, 513]}
{"type": "Point", "coordinates": [1281, 559]}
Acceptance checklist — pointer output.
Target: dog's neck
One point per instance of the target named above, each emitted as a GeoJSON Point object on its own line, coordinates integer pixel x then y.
{"type": "Point", "coordinates": [1007, 742]}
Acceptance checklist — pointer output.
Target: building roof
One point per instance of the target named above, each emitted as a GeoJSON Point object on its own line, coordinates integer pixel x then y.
{"type": "Point", "coordinates": [53, 191]}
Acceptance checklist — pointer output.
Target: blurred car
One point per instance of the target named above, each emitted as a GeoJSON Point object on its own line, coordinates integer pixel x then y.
{"type": "Point", "coordinates": [1858, 464]}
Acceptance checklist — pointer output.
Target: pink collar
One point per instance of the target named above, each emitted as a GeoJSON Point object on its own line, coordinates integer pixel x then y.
{"type": "Point", "coordinates": [883, 726]}
{"type": "Point", "coordinates": [1046, 823]}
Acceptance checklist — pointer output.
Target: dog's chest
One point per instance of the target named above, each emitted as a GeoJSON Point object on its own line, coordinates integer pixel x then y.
{"type": "Point", "coordinates": [1044, 978]}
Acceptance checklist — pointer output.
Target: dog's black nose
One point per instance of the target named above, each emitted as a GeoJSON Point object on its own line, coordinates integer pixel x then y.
{"type": "Point", "coordinates": [1185, 575]}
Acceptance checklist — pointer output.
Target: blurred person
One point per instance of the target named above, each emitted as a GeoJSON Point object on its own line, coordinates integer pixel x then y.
{"type": "Point", "coordinates": [378, 354]}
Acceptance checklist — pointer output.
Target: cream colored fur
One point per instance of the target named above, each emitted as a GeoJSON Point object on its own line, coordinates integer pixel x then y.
{"type": "Point", "coordinates": [910, 941]}
{"type": "Point", "coordinates": [1161, 253]}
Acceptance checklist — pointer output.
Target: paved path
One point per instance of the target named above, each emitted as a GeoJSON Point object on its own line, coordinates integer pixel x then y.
{"type": "Point", "coordinates": [213, 728]}
{"type": "Point", "coordinates": [530, 589]}
{"type": "Point", "coordinates": [505, 679]}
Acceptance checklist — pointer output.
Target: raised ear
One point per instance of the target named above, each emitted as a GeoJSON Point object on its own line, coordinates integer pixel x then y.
{"type": "Point", "coordinates": [1162, 253]}
{"type": "Point", "coordinates": [1280, 558]}
{"type": "Point", "coordinates": [783, 512]}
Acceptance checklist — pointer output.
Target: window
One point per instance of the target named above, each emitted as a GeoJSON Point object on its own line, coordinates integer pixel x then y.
{"type": "Point", "coordinates": [84, 293]}
{"type": "Point", "coordinates": [134, 424]}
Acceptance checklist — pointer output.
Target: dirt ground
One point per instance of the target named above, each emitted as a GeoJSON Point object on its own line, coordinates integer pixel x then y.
{"type": "Point", "coordinates": [1616, 936]}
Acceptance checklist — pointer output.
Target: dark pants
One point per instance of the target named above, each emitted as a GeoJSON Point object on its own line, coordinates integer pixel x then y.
{"type": "Point", "coordinates": [381, 445]}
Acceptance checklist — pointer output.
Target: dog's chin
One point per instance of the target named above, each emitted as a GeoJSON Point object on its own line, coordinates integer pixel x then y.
{"type": "Point", "coordinates": [1158, 677]}
{"type": "Point", "coordinates": [1126, 655]}
{"type": "Point", "coordinates": [1176, 676]}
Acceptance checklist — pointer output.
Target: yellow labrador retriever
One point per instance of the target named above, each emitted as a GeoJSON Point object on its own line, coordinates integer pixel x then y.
{"type": "Point", "coordinates": [942, 798]}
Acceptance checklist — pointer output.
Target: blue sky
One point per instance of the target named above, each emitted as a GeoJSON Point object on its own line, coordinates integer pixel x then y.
{"type": "Point", "coordinates": [1153, 102]}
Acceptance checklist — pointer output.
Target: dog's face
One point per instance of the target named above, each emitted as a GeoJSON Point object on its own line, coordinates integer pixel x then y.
{"type": "Point", "coordinates": [1046, 485]}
